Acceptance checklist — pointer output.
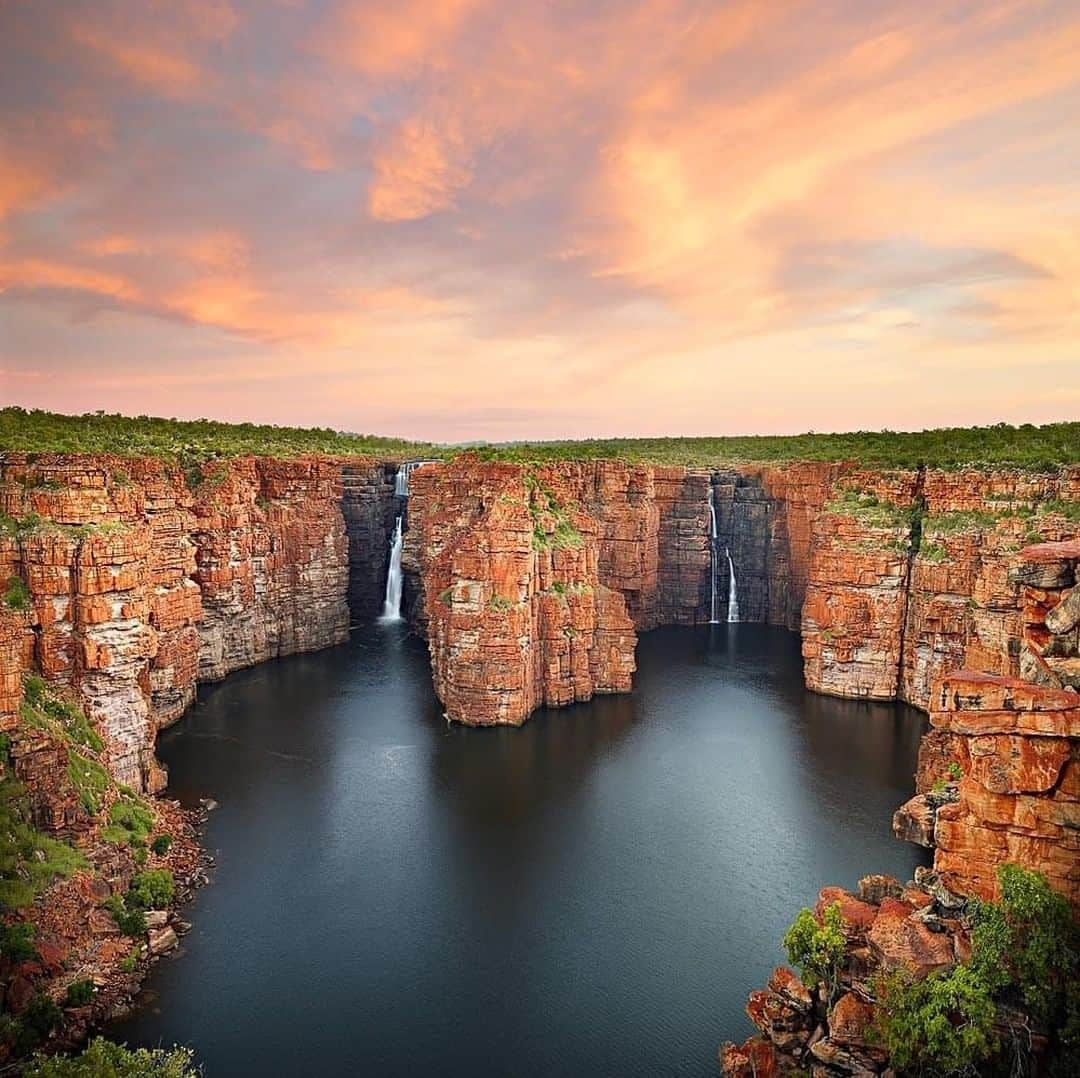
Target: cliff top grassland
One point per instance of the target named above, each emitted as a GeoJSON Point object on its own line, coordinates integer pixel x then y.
{"type": "Point", "coordinates": [1027, 446]}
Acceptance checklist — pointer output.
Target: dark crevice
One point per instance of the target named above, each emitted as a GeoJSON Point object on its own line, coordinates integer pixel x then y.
{"type": "Point", "coordinates": [918, 513]}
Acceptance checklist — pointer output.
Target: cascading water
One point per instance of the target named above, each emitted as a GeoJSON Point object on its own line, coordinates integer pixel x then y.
{"type": "Point", "coordinates": [713, 612]}
{"type": "Point", "coordinates": [394, 580]}
{"type": "Point", "coordinates": [732, 596]}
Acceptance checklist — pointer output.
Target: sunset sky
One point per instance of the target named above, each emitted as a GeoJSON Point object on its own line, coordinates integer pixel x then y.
{"type": "Point", "coordinates": [461, 219]}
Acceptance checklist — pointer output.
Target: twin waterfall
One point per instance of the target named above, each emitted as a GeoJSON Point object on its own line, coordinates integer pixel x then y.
{"type": "Point", "coordinates": [732, 595]}
{"type": "Point", "coordinates": [714, 551]}
{"type": "Point", "coordinates": [394, 578]}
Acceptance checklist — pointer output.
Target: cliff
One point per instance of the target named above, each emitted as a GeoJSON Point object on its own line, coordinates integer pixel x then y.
{"type": "Point", "coordinates": [998, 776]}
{"type": "Point", "coordinates": [910, 576]}
{"type": "Point", "coordinates": [137, 580]}
{"type": "Point", "coordinates": [515, 611]}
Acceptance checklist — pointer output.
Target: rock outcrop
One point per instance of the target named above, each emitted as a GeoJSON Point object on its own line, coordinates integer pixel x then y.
{"type": "Point", "coordinates": [133, 580]}
{"type": "Point", "coordinates": [271, 560]}
{"type": "Point", "coordinates": [998, 776]}
{"type": "Point", "coordinates": [515, 611]}
{"type": "Point", "coordinates": [910, 576]}
{"type": "Point", "coordinates": [887, 927]}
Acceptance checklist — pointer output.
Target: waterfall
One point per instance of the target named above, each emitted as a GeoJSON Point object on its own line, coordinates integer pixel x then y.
{"type": "Point", "coordinates": [732, 597]}
{"type": "Point", "coordinates": [713, 619]}
{"type": "Point", "coordinates": [392, 605]}
{"type": "Point", "coordinates": [401, 481]}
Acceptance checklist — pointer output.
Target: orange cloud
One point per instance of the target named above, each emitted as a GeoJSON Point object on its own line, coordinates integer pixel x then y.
{"type": "Point", "coordinates": [418, 171]}
{"type": "Point", "coordinates": [391, 37]}
{"type": "Point", "coordinates": [637, 199]}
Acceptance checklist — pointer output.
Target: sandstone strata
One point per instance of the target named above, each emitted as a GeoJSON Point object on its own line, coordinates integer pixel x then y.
{"type": "Point", "coordinates": [142, 580]}
{"type": "Point", "coordinates": [515, 611]}
{"type": "Point", "coordinates": [911, 577]}
{"type": "Point", "coordinates": [998, 774]}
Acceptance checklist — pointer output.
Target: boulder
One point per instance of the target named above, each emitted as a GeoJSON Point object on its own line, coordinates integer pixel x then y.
{"type": "Point", "coordinates": [901, 941]}
{"type": "Point", "coordinates": [161, 940]}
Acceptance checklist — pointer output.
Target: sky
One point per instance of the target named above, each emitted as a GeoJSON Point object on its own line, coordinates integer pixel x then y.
{"type": "Point", "coordinates": [483, 219]}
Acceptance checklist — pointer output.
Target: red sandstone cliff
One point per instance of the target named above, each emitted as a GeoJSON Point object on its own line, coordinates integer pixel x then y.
{"type": "Point", "coordinates": [888, 611]}
{"type": "Point", "coordinates": [516, 614]}
{"type": "Point", "coordinates": [141, 580]}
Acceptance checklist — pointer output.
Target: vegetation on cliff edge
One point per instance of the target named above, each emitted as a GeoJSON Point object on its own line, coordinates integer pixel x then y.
{"type": "Point", "coordinates": [1026, 446]}
{"type": "Point", "coordinates": [1023, 976]}
{"type": "Point", "coordinates": [105, 1059]}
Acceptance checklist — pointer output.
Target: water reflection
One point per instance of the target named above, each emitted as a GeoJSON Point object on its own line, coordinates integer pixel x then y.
{"type": "Point", "coordinates": [593, 893]}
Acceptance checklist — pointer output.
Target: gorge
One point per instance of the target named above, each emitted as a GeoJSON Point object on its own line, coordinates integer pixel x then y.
{"type": "Point", "coordinates": [134, 579]}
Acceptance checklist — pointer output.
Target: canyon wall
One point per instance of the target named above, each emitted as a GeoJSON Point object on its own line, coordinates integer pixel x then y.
{"type": "Point", "coordinates": [132, 580]}
{"type": "Point", "coordinates": [909, 576]}
{"type": "Point", "coordinates": [513, 604]}
{"type": "Point", "coordinates": [999, 772]}
{"type": "Point", "coordinates": [369, 506]}
{"type": "Point", "coordinates": [144, 579]}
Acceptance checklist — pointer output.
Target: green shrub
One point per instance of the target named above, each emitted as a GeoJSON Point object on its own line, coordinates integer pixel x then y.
{"type": "Point", "coordinates": [941, 1025]}
{"type": "Point", "coordinates": [89, 778]}
{"type": "Point", "coordinates": [16, 594]}
{"type": "Point", "coordinates": [933, 552]}
{"type": "Point", "coordinates": [161, 844]}
{"type": "Point", "coordinates": [956, 772]}
{"type": "Point", "coordinates": [499, 602]}
{"type": "Point", "coordinates": [29, 860]}
{"type": "Point", "coordinates": [79, 993]}
{"type": "Point", "coordinates": [17, 942]}
{"type": "Point", "coordinates": [44, 708]}
{"type": "Point", "coordinates": [1028, 939]}
{"type": "Point", "coordinates": [36, 1022]}
{"type": "Point", "coordinates": [131, 820]}
{"type": "Point", "coordinates": [818, 949]}
{"type": "Point", "coordinates": [130, 961]}
{"type": "Point", "coordinates": [188, 442]}
{"type": "Point", "coordinates": [151, 890]}
{"type": "Point", "coordinates": [105, 1059]}
{"type": "Point", "coordinates": [129, 919]}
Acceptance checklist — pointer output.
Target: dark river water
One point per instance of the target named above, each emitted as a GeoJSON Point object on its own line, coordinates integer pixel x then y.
{"type": "Point", "coordinates": [592, 894]}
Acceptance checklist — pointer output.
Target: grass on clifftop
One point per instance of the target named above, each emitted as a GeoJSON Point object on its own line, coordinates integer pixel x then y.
{"type": "Point", "coordinates": [1027, 446]}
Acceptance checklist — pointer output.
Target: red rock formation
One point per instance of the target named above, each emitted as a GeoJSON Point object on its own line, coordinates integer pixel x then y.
{"type": "Point", "coordinates": [880, 623]}
{"type": "Point", "coordinates": [516, 614]}
{"type": "Point", "coordinates": [887, 928]}
{"type": "Point", "coordinates": [102, 545]}
{"type": "Point", "coordinates": [271, 556]}
{"type": "Point", "coordinates": [138, 588]}
{"type": "Point", "coordinates": [1019, 800]}
{"type": "Point", "coordinates": [856, 600]}
{"type": "Point", "coordinates": [1015, 742]}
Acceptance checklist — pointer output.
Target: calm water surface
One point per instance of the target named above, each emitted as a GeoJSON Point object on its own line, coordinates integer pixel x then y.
{"type": "Point", "coordinates": [592, 894]}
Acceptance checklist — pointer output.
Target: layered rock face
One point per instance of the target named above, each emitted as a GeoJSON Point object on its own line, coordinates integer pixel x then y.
{"type": "Point", "coordinates": [999, 779]}
{"type": "Point", "coordinates": [909, 576]}
{"type": "Point", "coordinates": [133, 580]}
{"type": "Point", "coordinates": [682, 546]}
{"type": "Point", "coordinates": [515, 611]}
{"type": "Point", "coordinates": [271, 561]}
{"type": "Point", "coordinates": [103, 548]}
